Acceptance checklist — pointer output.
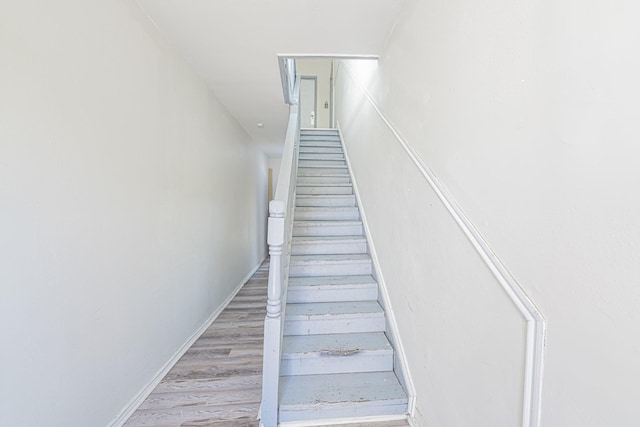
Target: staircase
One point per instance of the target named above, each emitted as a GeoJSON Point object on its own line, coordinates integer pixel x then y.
{"type": "Point", "coordinates": [336, 359]}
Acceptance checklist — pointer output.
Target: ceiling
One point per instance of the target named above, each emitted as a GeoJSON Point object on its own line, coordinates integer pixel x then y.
{"type": "Point", "coordinates": [233, 45]}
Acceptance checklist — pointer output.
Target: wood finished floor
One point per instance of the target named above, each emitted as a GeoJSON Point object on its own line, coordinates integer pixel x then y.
{"type": "Point", "coordinates": [218, 380]}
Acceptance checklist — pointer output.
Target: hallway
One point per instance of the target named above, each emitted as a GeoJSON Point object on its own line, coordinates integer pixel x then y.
{"type": "Point", "coordinates": [218, 380]}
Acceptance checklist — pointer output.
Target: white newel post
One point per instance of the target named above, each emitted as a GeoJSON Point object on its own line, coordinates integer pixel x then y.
{"type": "Point", "coordinates": [273, 321]}
{"type": "Point", "coordinates": [275, 240]}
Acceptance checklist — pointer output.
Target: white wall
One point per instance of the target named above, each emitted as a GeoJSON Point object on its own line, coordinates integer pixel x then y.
{"type": "Point", "coordinates": [274, 164]}
{"type": "Point", "coordinates": [321, 68]}
{"type": "Point", "coordinates": [527, 112]}
{"type": "Point", "coordinates": [462, 335]}
{"type": "Point", "coordinates": [131, 205]}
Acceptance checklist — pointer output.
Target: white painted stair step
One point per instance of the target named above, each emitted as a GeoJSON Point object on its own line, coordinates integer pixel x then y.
{"type": "Point", "coordinates": [326, 245]}
{"type": "Point", "coordinates": [336, 354]}
{"type": "Point", "coordinates": [323, 179]}
{"type": "Point", "coordinates": [319, 131]}
{"type": "Point", "coordinates": [333, 318]}
{"type": "Point", "coordinates": [321, 143]}
{"type": "Point", "coordinates": [323, 166]}
{"type": "Point", "coordinates": [326, 200]}
{"type": "Point", "coordinates": [325, 150]}
{"type": "Point", "coordinates": [329, 265]}
{"type": "Point", "coordinates": [313, 397]}
{"type": "Point", "coordinates": [322, 163]}
{"type": "Point", "coordinates": [320, 156]}
{"type": "Point", "coordinates": [306, 137]}
{"type": "Point", "coordinates": [327, 228]}
{"type": "Point", "coordinates": [319, 137]}
{"type": "Point", "coordinates": [324, 189]}
{"type": "Point", "coordinates": [332, 289]}
{"type": "Point", "coordinates": [320, 172]}
{"type": "Point", "coordinates": [316, 173]}
{"type": "Point", "coordinates": [326, 213]}
{"type": "Point", "coordinates": [314, 170]}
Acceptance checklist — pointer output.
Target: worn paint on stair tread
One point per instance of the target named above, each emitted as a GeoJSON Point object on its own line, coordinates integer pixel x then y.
{"type": "Point", "coordinates": [310, 390]}
{"type": "Point", "coordinates": [335, 344]}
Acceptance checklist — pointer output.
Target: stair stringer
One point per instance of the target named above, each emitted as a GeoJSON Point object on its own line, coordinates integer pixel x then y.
{"type": "Point", "coordinates": [401, 365]}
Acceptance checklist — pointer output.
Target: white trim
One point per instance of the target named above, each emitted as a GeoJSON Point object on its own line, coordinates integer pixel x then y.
{"type": "Point", "coordinates": [536, 323]}
{"type": "Point", "coordinates": [327, 56]}
{"type": "Point", "coordinates": [131, 407]}
{"type": "Point", "coordinates": [284, 77]}
{"type": "Point", "coordinates": [416, 420]}
{"type": "Point", "coordinates": [386, 300]}
{"type": "Point", "coordinates": [337, 421]}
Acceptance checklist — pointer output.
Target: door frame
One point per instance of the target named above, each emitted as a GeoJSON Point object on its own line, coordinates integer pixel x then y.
{"type": "Point", "coordinates": [315, 98]}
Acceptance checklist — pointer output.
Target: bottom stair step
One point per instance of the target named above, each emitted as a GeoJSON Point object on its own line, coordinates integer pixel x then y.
{"type": "Point", "coordinates": [319, 397]}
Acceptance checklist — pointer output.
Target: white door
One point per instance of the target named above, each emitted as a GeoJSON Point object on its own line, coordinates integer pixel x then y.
{"type": "Point", "coordinates": [308, 102]}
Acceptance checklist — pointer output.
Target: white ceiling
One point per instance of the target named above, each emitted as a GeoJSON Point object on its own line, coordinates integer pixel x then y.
{"type": "Point", "coordinates": [234, 44]}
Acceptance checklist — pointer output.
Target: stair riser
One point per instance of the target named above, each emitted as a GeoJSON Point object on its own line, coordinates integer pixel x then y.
{"type": "Point", "coordinates": [322, 163]}
{"type": "Point", "coordinates": [323, 190]}
{"type": "Point", "coordinates": [317, 144]}
{"type": "Point", "coordinates": [323, 170]}
{"type": "Point", "coordinates": [322, 137]}
{"type": "Point", "coordinates": [354, 410]}
{"type": "Point", "coordinates": [328, 248]}
{"type": "Point", "coordinates": [310, 201]}
{"type": "Point", "coordinates": [327, 214]}
{"type": "Point", "coordinates": [338, 364]}
{"type": "Point", "coordinates": [320, 156]}
{"type": "Point", "coordinates": [323, 150]}
{"type": "Point", "coordinates": [334, 326]}
{"type": "Point", "coordinates": [311, 294]}
{"type": "Point", "coordinates": [323, 180]}
{"type": "Point", "coordinates": [325, 228]}
{"type": "Point", "coordinates": [330, 269]}
{"type": "Point", "coordinates": [314, 133]}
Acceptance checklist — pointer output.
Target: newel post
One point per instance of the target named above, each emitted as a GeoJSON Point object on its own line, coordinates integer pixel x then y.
{"type": "Point", "coordinates": [273, 320]}
{"type": "Point", "coordinates": [275, 239]}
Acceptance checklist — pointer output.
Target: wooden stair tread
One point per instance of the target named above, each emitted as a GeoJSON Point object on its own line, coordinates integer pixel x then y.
{"type": "Point", "coordinates": [335, 345]}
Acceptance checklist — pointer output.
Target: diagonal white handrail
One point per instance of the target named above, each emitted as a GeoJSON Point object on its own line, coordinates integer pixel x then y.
{"type": "Point", "coordinates": [279, 237]}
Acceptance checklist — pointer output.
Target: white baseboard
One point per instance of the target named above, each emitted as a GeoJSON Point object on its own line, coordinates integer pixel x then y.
{"type": "Point", "coordinates": [337, 421]}
{"type": "Point", "coordinates": [417, 420]}
{"type": "Point", "coordinates": [131, 407]}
